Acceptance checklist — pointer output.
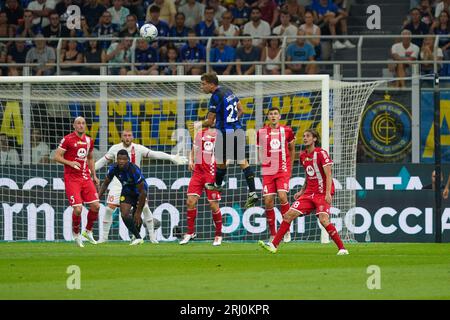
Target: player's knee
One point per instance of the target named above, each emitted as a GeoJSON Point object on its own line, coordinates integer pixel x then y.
{"type": "Point", "coordinates": [95, 206]}
{"type": "Point", "coordinates": [268, 202]}
{"type": "Point", "coordinates": [290, 215]}
{"type": "Point", "coordinates": [191, 202]}
{"type": "Point", "coordinates": [323, 218]}
{"type": "Point", "coordinates": [283, 197]}
{"type": "Point", "coordinates": [77, 210]}
{"type": "Point", "coordinates": [214, 205]}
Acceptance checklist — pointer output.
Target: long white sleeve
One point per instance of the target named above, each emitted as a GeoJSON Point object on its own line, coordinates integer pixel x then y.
{"type": "Point", "coordinates": [101, 163]}
{"type": "Point", "coordinates": [159, 155]}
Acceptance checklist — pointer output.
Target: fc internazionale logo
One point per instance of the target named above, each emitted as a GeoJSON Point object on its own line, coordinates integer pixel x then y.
{"type": "Point", "coordinates": [386, 128]}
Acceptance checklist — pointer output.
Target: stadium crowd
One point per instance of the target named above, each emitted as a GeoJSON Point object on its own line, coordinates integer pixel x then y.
{"type": "Point", "coordinates": [257, 19]}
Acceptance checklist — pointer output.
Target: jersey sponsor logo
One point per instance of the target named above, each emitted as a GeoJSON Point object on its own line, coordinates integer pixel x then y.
{"type": "Point", "coordinates": [82, 153]}
{"type": "Point", "coordinates": [310, 171]}
{"type": "Point", "coordinates": [208, 146]}
{"type": "Point", "coordinates": [122, 198]}
{"type": "Point", "coordinates": [386, 130]}
{"type": "Point", "coordinates": [275, 144]}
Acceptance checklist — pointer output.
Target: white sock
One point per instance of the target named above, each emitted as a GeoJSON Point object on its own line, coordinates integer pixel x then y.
{"type": "Point", "coordinates": [148, 219]}
{"type": "Point", "coordinates": [107, 222]}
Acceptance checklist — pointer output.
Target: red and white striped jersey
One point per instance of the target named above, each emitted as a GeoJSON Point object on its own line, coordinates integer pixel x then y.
{"type": "Point", "coordinates": [315, 175]}
{"type": "Point", "coordinates": [275, 149]}
{"type": "Point", "coordinates": [204, 144]}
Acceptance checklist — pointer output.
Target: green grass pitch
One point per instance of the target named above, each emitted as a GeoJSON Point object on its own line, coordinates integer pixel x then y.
{"type": "Point", "coordinates": [233, 271]}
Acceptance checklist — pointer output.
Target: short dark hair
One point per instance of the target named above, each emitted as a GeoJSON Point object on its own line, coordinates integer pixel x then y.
{"type": "Point", "coordinates": [180, 14]}
{"type": "Point", "coordinates": [414, 9]}
{"type": "Point", "coordinates": [155, 9]}
{"type": "Point", "coordinates": [256, 8]}
{"type": "Point", "coordinates": [123, 152]}
{"type": "Point", "coordinates": [210, 8]}
{"type": "Point", "coordinates": [210, 77]}
{"type": "Point", "coordinates": [272, 108]}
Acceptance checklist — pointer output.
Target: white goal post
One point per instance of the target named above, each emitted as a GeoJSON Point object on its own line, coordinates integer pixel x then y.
{"type": "Point", "coordinates": [159, 109]}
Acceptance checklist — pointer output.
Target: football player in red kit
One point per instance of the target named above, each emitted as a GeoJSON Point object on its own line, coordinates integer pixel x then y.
{"type": "Point", "coordinates": [76, 153]}
{"type": "Point", "coordinates": [202, 163]}
{"type": "Point", "coordinates": [316, 193]}
{"type": "Point", "coordinates": [276, 151]}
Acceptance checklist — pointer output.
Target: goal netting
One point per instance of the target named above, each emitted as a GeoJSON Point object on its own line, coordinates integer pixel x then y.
{"type": "Point", "coordinates": [36, 112]}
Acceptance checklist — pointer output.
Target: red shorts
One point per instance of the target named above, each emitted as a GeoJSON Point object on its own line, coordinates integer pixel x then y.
{"type": "Point", "coordinates": [309, 202]}
{"type": "Point", "coordinates": [197, 185]}
{"type": "Point", "coordinates": [79, 190]}
{"type": "Point", "coordinates": [274, 183]}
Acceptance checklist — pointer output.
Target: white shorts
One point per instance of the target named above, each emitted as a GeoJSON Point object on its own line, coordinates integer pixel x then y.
{"type": "Point", "coordinates": [115, 189]}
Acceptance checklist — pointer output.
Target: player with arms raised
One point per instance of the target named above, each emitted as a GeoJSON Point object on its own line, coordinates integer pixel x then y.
{"type": "Point", "coordinates": [225, 111]}
{"type": "Point", "coordinates": [276, 150]}
{"type": "Point", "coordinates": [76, 153]}
{"type": "Point", "coordinates": [136, 152]}
{"type": "Point", "coordinates": [202, 163]}
{"type": "Point", "coordinates": [316, 193]}
{"type": "Point", "coordinates": [133, 193]}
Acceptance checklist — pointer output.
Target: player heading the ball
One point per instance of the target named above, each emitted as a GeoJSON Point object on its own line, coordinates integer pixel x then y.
{"type": "Point", "coordinates": [202, 163]}
{"type": "Point", "coordinates": [133, 195]}
{"type": "Point", "coordinates": [136, 152]}
{"type": "Point", "coordinates": [315, 194]}
{"type": "Point", "coordinates": [76, 153]}
{"type": "Point", "coordinates": [276, 152]}
{"type": "Point", "coordinates": [225, 111]}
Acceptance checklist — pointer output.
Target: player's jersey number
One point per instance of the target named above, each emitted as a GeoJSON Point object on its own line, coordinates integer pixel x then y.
{"type": "Point", "coordinates": [232, 112]}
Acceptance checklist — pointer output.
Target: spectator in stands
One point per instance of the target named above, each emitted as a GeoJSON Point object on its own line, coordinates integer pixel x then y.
{"type": "Point", "coordinates": [286, 28]}
{"type": "Point", "coordinates": [241, 13]}
{"type": "Point", "coordinates": [228, 29]}
{"type": "Point", "coordinates": [163, 30]}
{"type": "Point", "coordinates": [41, 10]}
{"type": "Point", "coordinates": [93, 11]}
{"type": "Point", "coordinates": [167, 11]}
{"type": "Point", "coordinates": [193, 12]}
{"type": "Point", "coordinates": [444, 5]}
{"type": "Point", "coordinates": [193, 52]}
{"type": "Point", "coordinates": [247, 52]}
{"type": "Point", "coordinates": [93, 54]}
{"type": "Point", "coordinates": [224, 55]}
{"type": "Point", "coordinates": [219, 10]}
{"type": "Point", "coordinates": [328, 16]}
{"type": "Point", "coordinates": [61, 8]}
{"type": "Point", "coordinates": [8, 155]}
{"type": "Point", "coordinates": [40, 151]}
{"type": "Point", "coordinates": [269, 11]}
{"type": "Point", "coordinates": [426, 12]}
{"type": "Point", "coordinates": [14, 12]}
{"type": "Point", "coordinates": [82, 33]}
{"type": "Point", "coordinates": [172, 57]}
{"type": "Point", "coordinates": [42, 54]}
{"type": "Point", "coordinates": [207, 27]}
{"type": "Point", "coordinates": [130, 29]}
{"type": "Point", "coordinates": [105, 28]}
{"type": "Point", "coordinates": [296, 11]}
{"type": "Point", "coordinates": [16, 54]}
{"type": "Point", "coordinates": [145, 57]}
{"type": "Point", "coordinates": [298, 52]}
{"type": "Point", "coordinates": [257, 28]}
{"type": "Point", "coordinates": [271, 54]}
{"type": "Point", "coordinates": [403, 51]}
{"type": "Point", "coordinates": [312, 30]}
{"type": "Point", "coordinates": [3, 59]}
{"type": "Point", "coordinates": [179, 30]}
{"type": "Point", "coordinates": [119, 13]}
{"type": "Point", "coordinates": [117, 53]}
{"type": "Point", "coordinates": [416, 26]}
{"type": "Point", "coordinates": [27, 29]}
{"type": "Point", "coordinates": [69, 56]}
{"type": "Point", "coordinates": [136, 7]}
{"type": "Point", "coordinates": [6, 30]}
{"type": "Point", "coordinates": [55, 30]}
{"type": "Point", "coordinates": [442, 28]}
{"type": "Point", "coordinates": [427, 52]}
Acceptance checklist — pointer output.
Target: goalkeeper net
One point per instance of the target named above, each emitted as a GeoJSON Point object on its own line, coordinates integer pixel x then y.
{"type": "Point", "coordinates": [37, 112]}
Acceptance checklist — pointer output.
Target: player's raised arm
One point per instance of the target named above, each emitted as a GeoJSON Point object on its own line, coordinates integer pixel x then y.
{"type": "Point", "coordinates": [175, 158]}
{"type": "Point", "coordinates": [210, 120]}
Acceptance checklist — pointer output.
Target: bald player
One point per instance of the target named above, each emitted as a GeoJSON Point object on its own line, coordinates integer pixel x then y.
{"type": "Point", "coordinates": [76, 153]}
{"type": "Point", "coordinates": [136, 152]}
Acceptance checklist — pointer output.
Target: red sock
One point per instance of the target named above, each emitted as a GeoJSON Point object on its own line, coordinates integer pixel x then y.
{"type": "Point", "coordinates": [76, 220]}
{"type": "Point", "coordinates": [284, 227]}
{"type": "Point", "coordinates": [270, 216]}
{"type": "Point", "coordinates": [217, 217]}
{"type": "Point", "coordinates": [335, 236]}
{"type": "Point", "coordinates": [191, 215]}
{"type": "Point", "coordinates": [92, 217]}
{"type": "Point", "coordinates": [284, 208]}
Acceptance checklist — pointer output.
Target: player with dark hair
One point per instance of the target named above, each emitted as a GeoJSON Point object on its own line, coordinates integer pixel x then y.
{"type": "Point", "coordinates": [202, 163]}
{"type": "Point", "coordinates": [225, 110]}
{"type": "Point", "coordinates": [316, 193]}
{"type": "Point", "coordinates": [76, 153]}
{"type": "Point", "coordinates": [276, 151]}
{"type": "Point", "coordinates": [133, 195]}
